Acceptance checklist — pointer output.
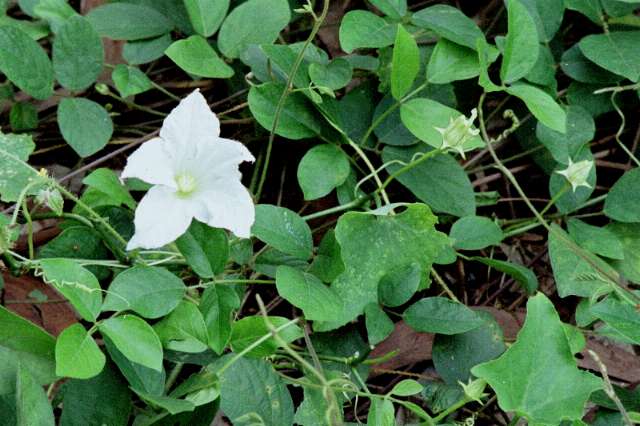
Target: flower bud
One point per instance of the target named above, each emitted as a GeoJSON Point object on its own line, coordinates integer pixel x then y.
{"type": "Point", "coordinates": [51, 198]}
{"type": "Point", "coordinates": [577, 173]}
{"type": "Point", "coordinates": [474, 390]}
{"type": "Point", "coordinates": [458, 132]}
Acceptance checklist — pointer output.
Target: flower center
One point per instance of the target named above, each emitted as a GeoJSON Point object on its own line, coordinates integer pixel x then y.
{"type": "Point", "coordinates": [186, 183]}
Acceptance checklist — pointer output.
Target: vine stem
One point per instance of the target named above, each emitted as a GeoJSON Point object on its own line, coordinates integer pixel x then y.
{"type": "Point", "coordinates": [618, 287]}
{"type": "Point", "coordinates": [283, 97]}
{"type": "Point", "coordinates": [383, 185]}
{"type": "Point", "coordinates": [609, 390]}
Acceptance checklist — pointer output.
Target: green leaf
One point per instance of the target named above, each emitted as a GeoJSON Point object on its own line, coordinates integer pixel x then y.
{"type": "Point", "coordinates": [441, 315]}
{"type": "Point", "coordinates": [85, 125]}
{"type": "Point", "coordinates": [439, 181]}
{"type": "Point", "coordinates": [616, 51]}
{"type": "Point", "coordinates": [150, 291]}
{"type": "Point", "coordinates": [279, 60]}
{"type": "Point", "coordinates": [451, 62]}
{"type": "Point", "coordinates": [250, 392]}
{"type": "Point", "coordinates": [454, 356]}
{"type": "Point", "coordinates": [543, 72]}
{"type": "Point", "coordinates": [130, 81]}
{"type": "Point", "coordinates": [25, 63]}
{"type": "Point", "coordinates": [105, 399]}
{"type": "Point", "coordinates": [628, 235]}
{"type": "Point", "coordinates": [622, 317]}
{"type": "Point", "coordinates": [23, 116]}
{"type": "Point", "coordinates": [128, 21]}
{"type": "Point", "coordinates": [475, 233]}
{"type": "Point", "coordinates": [305, 291]}
{"type": "Point", "coordinates": [248, 330]}
{"type": "Point", "coordinates": [372, 246]}
{"type": "Point", "coordinates": [422, 116]}
{"type": "Point", "coordinates": [524, 276]}
{"type": "Point", "coordinates": [405, 63]}
{"type": "Point", "coordinates": [77, 354]}
{"type": "Point", "coordinates": [172, 405]}
{"type": "Point", "coordinates": [363, 29]}
{"type": "Point", "coordinates": [450, 23]}
{"type": "Point", "coordinates": [573, 274]}
{"type": "Point", "coordinates": [395, 9]}
{"type": "Point", "coordinates": [562, 146]}
{"type": "Point", "coordinates": [137, 375]}
{"type": "Point", "coordinates": [334, 75]}
{"type": "Point", "coordinates": [547, 14]}
{"type": "Point", "coordinates": [592, 9]}
{"type": "Point", "coordinates": [217, 306]}
{"type": "Point", "coordinates": [598, 240]}
{"type": "Point", "coordinates": [521, 44]}
{"type": "Point", "coordinates": [108, 183]}
{"type": "Point", "coordinates": [205, 249]}
{"type": "Point", "coordinates": [541, 105]}
{"type": "Point", "coordinates": [196, 56]}
{"type": "Point", "coordinates": [145, 51]}
{"type": "Point", "coordinates": [321, 170]}
{"type": "Point", "coordinates": [78, 55]}
{"type": "Point", "coordinates": [399, 284]}
{"type": "Point", "coordinates": [33, 347]}
{"type": "Point", "coordinates": [578, 67]}
{"type": "Point", "coordinates": [284, 230]}
{"type": "Point", "coordinates": [252, 22]}
{"type": "Point", "coordinates": [407, 387]}
{"type": "Point", "coordinates": [622, 202]}
{"type": "Point", "coordinates": [206, 15]}
{"type": "Point", "coordinates": [297, 119]}
{"type": "Point", "coordinates": [327, 264]}
{"type": "Point", "coordinates": [76, 284]}
{"type": "Point", "coordinates": [135, 339]}
{"type": "Point", "coordinates": [32, 404]}
{"type": "Point", "coordinates": [379, 325]}
{"type": "Point", "coordinates": [54, 12]}
{"type": "Point", "coordinates": [540, 349]}
{"type": "Point", "coordinates": [381, 413]}
{"type": "Point", "coordinates": [183, 330]}
{"type": "Point", "coordinates": [15, 173]}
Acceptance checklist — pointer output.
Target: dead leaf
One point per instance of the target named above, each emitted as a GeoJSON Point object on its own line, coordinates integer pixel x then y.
{"type": "Point", "coordinates": [54, 315]}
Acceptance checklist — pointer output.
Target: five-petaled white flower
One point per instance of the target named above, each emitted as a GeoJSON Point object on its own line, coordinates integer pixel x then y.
{"type": "Point", "coordinates": [458, 133]}
{"type": "Point", "coordinates": [577, 173]}
{"type": "Point", "coordinates": [194, 173]}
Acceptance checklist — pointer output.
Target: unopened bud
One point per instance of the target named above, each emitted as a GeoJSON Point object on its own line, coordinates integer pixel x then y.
{"type": "Point", "coordinates": [577, 173]}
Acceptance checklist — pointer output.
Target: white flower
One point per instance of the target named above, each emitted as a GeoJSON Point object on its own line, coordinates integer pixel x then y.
{"type": "Point", "coordinates": [458, 133]}
{"type": "Point", "coordinates": [194, 173]}
{"type": "Point", "coordinates": [577, 173]}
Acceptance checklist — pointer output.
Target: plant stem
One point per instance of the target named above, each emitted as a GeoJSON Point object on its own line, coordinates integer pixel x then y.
{"type": "Point", "coordinates": [283, 97]}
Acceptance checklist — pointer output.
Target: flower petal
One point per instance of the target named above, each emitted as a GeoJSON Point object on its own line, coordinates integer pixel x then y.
{"type": "Point", "coordinates": [152, 163]}
{"type": "Point", "coordinates": [192, 120]}
{"type": "Point", "coordinates": [220, 159]}
{"type": "Point", "coordinates": [228, 206]}
{"type": "Point", "coordinates": [161, 217]}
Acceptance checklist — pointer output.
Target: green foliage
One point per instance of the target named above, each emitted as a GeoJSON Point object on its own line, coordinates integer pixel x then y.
{"type": "Point", "coordinates": [77, 354]}
{"type": "Point", "coordinates": [321, 170]}
{"type": "Point", "coordinates": [77, 54]}
{"type": "Point", "coordinates": [195, 56]}
{"type": "Point", "coordinates": [149, 291]}
{"type": "Point", "coordinates": [284, 230]}
{"type": "Point", "coordinates": [25, 63]}
{"type": "Point", "coordinates": [541, 346]}
{"type": "Point", "coordinates": [252, 22]}
{"type": "Point", "coordinates": [84, 124]}
{"type": "Point", "coordinates": [128, 21]}
{"type": "Point", "coordinates": [395, 143]}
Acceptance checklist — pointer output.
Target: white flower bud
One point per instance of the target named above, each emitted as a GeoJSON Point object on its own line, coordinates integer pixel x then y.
{"type": "Point", "coordinates": [474, 390]}
{"type": "Point", "coordinates": [458, 132]}
{"type": "Point", "coordinates": [51, 198]}
{"type": "Point", "coordinates": [577, 173]}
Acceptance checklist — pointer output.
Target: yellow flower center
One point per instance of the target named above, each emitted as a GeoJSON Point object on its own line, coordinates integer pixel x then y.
{"type": "Point", "coordinates": [186, 183]}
